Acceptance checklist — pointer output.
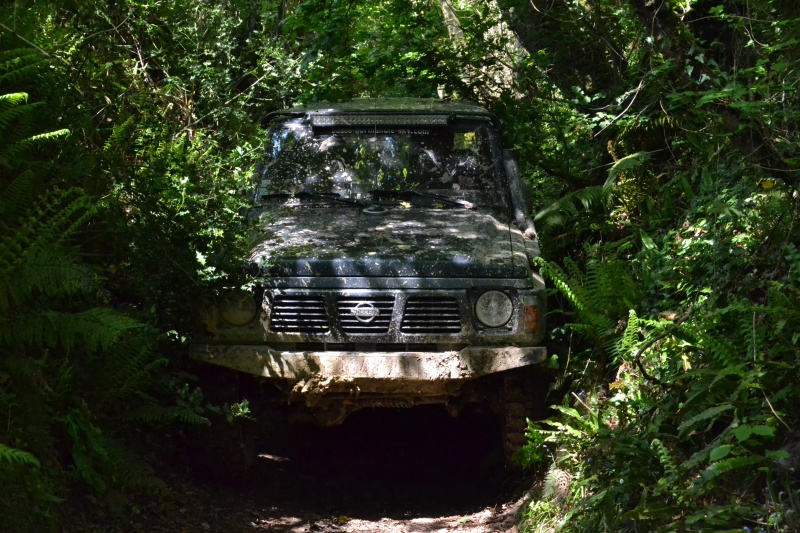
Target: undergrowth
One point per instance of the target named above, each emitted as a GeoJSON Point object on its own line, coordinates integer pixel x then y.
{"type": "Point", "coordinates": [76, 373]}
{"type": "Point", "coordinates": [680, 412]}
{"type": "Point", "coordinates": [682, 303]}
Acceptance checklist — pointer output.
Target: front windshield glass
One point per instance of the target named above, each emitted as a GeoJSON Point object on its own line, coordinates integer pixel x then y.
{"type": "Point", "coordinates": [458, 162]}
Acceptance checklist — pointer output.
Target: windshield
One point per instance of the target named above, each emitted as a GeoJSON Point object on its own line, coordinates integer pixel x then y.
{"type": "Point", "coordinates": [457, 162]}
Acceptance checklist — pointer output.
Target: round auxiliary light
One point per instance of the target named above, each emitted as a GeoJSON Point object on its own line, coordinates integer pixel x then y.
{"type": "Point", "coordinates": [238, 308]}
{"type": "Point", "coordinates": [494, 309]}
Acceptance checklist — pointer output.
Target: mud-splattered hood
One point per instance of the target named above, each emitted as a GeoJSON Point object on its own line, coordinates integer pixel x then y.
{"type": "Point", "coordinates": [347, 242]}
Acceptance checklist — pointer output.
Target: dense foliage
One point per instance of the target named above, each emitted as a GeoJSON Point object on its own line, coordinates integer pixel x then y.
{"type": "Point", "coordinates": [678, 270]}
{"type": "Point", "coordinates": [662, 142]}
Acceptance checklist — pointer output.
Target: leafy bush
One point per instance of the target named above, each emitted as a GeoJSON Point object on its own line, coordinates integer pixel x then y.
{"type": "Point", "coordinates": [71, 365]}
{"type": "Point", "coordinates": [682, 391]}
{"type": "Point", "coordinates": [680, 376]}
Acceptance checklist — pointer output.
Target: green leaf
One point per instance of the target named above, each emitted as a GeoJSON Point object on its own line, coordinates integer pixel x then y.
{"type": "Point", "coordinates": [777, 455]}
{"type": "Point", "coordinates": [726, 465]}
{"type": "Point", "coordinates": [647, 241]}
{"type": "Point", "coordinates": [764, 431]}
{"type": "Point", "coordinates": [742, 433]}
{"type": "Point", "coordinates": [719, 515]}
{"type": "Point", "coordinates": [15, 456]}
{"type": "Point", "coordinates": [562, 427]}
{"type": "Point", "coordinates": [720, 452]}
{"type": "Point", "coordinates": [707, 414]}
{"type": "Point", "coordinates": [628, 162]}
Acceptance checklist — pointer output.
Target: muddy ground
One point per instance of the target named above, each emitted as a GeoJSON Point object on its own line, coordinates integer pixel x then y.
{"type": "Point", "coordinates": [415, 470]}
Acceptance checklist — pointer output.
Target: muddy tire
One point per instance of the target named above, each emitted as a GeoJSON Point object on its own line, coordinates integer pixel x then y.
{"type": "Point", "coordinates": [523, 397]}
{"type": "Point", "coordinates": [225, 449]}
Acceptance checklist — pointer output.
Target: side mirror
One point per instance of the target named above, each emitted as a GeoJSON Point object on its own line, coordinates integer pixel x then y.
{"type": "Point", "coordinates": [521, 194]}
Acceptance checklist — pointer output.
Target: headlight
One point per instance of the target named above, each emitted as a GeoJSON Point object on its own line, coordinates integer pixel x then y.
{"type": "Point", "coordinates": [493, 309]}
{"type": "Point", "coordinates": [238, 308]}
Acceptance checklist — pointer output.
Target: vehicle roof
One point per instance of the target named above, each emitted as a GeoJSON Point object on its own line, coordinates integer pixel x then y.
{"type": "Point", "coordinates": [388, 106]}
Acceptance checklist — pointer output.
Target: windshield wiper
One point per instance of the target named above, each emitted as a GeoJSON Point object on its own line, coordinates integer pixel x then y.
{"type": "Point", "coordinates": [308, 196]}
{"type": "Point", "coordinates": [384, 194]}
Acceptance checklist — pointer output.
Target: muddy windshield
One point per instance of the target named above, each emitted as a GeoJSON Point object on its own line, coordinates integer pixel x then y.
{"type": "Point", "coordinates": [459, 162]}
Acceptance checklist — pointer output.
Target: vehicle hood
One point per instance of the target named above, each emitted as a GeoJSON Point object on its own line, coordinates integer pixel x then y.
{"type": "Point", "coordinates": [415, 242]}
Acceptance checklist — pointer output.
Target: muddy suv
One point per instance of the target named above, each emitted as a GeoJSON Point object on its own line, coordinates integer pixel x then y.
{"type": "Point", "coordinates": [392, 265]}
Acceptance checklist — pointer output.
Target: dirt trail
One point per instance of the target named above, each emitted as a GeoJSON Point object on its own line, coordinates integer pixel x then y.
{"type": "Point", "coordinates": [413, 470]}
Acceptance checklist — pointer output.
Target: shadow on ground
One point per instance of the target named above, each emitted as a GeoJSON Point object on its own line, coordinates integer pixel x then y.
{"type": "Point", "coordinates": [383, 470]}
{"type": "Point", "coordinates": [391, 463]}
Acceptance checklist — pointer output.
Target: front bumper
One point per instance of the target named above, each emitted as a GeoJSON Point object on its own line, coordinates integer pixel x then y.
{"type": "Point", "coordinates": [468, 363]}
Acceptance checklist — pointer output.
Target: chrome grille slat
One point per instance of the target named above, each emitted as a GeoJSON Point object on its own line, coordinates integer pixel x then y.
{"type": "Point", "coordinates": [307, 313]}
{"type": "Point", "coordinates": [431, 314]}
{"type": "Point", "coordinates": [352, 325]}
{"type": "Point", "coordinates": [298, 314]}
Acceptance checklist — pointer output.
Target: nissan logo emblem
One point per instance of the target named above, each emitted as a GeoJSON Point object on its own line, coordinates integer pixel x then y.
{"type": "Point", "coordinates": [365, 312]}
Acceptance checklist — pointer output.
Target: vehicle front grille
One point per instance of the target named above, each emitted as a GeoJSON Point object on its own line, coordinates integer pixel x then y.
{"type": "Point", "coordinates": [426, 315]}
{"type": "Point", "coordinates": [299, 314]}
{"type": "Point", "coordinates": [375, 313]}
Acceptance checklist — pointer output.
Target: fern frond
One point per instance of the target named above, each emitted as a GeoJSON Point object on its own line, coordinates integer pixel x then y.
{"type": "Point", "coordinates": [556, 484]}
{"type": "Point", "coordinates": [570, 206]}
{"type": "Point", "coordinates": [723, 350]}
{"type": "Point", "coordinates": [585, 330]}
{"type": "Point", "coordinates": [703, 393]}
{"type": "Point", "coordinates": [778, 299]}
{"type": "Point", "coordinates": [578, 281]}
{"type": "Point", "coordinates": [92, 329]}
{"type": "Point", "coordinates": [19, 64]}
{"type": "Point", "coordinates": [11, 111]}
{"type": "Point", "coordinates": [646, 124]}
{"type": "Point", "coordinates": [12, 108]}
{"type": "Point", "coordinates": [8, 58]}
{"type": "Point", "coordinates": [118, 134]}
{"type": "Point", "coordinates": [613, 289]}
{"type": "Point", "coordinates": [130, 365]}
{"type": "Point", "coordinates": [629, 162]}
{"type": "Point", "coordinates": [129, 471]}
{"type": "Point", "coordinates": [15, 456]}
{"type": "Point", "coordinates": [13, 99]}
{"type": "Point", "coordinates": [97, 328]}
{"type": "Point", "coordinates": [631, 335]}
{"type": "Point", "coordinates": [89, 450]}
{"type": "Point", "coordinates": [668, 463]}
{"type": "Point", "coordinates": [49, 274]}
{"type": "Point", "coordinates": [559, 278]}
{"type": "Point", "coordinates": [17, 197]}
{"type": "Point", "coordinates": [593, 305]}
{"type": "Point", "coordinates": [13, 142]}
{"type": "Point", "coordinates": [154, 415]}
{"type": "Point", "coordinates": [15, 151]}
{"type": "Point", "coordinates": [727, 465]}
{"type": "Point", "coordinates": [705, 415]}
{"type": "Point", "coordinates": [53, 217]}
{"type": "Point", "coordinates": [748, 331]}
{"type": "Point", "coordinates": [20, 73]}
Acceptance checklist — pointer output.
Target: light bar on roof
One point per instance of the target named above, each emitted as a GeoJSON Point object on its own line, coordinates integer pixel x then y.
{"type": "Point", "coordinates": [379, 120]}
